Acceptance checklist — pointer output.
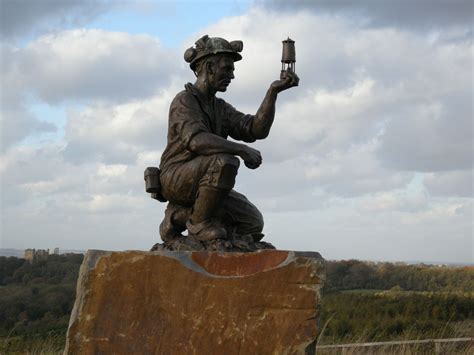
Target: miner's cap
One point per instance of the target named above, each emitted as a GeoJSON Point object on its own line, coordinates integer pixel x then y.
{"type": "Point", "coordinates": [207, 46]}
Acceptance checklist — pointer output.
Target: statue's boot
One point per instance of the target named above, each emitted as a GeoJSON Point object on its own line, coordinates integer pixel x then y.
{"type": "Point", "coordinates": [202, 224]}
{"type": "Point", "coordinates": [174, 222]}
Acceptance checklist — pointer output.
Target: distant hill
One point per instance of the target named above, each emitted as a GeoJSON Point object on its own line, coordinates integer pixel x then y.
{"type": "Point", "coordinates": [18, 253]}
{"type": "Point", "coordinates": [12, 252]}
{"type": "Point", "coordinates": [73, 251]}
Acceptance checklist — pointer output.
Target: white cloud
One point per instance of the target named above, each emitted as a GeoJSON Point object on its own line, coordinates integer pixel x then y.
{"type": "Point", "coordinates": [112, 203]}
{"type": "Point", "coordinates": [432, 136]}
{"type": "Point", "coordinates": [88, 66]}
{"type": "Point", "coordinates": [355, 172]}
{"type": "Point", "coordinates": [394, 201]}
{"type": "Point", "coordinates": [16, 120]}
{"type": "Point", "coordinates": [345, 229]}
{"type": "Point", "coordinates": [452, 183]}
{"type": "Point", "coordinates": [357, 83]}
{"type": "Point", "coordinates": [439, 212]}
{"type": "Point", "coordinates": [119, 133]}
{"type": "Point", "coordinates": [17, 123]}
{"type": "Point", "coordinates": [95, 65]}
{"type": "Point", "coordinates": [111, 171]}
{"type": "Point", "coordinates": [46, 198]}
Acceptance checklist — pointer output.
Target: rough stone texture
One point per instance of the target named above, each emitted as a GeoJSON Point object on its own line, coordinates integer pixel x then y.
{"type": "Point", "coordinates": [201, 302]}
{"type": "Point", "coordinates": [242, 244]}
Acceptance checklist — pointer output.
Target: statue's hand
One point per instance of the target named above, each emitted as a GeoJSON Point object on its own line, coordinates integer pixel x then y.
{"type": "Point", "coordinates": [252, 157]}
{"type": "Point", "coordinates": [288, 80]}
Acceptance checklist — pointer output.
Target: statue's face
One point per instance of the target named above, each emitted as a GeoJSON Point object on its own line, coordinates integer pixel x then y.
{"type": "Point", "coordinates": [222, 73]}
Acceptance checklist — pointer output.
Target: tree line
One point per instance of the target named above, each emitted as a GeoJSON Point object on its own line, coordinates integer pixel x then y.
{"type": "Point", "coordinates": [350, 316]}
{"type": "Point", "coordinates": [355, 274]}
{"type": "Point", "coordinates": [37, 298]}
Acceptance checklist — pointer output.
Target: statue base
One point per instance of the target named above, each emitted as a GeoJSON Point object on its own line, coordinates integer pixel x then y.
{"type": "Point", "coordinates": [241, 244]}
{"type": "Point", "coordinates": [199, 302]}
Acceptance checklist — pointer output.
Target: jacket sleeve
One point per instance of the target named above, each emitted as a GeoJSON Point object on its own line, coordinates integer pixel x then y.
{"type": "Point", "coordinates": [240, 124]}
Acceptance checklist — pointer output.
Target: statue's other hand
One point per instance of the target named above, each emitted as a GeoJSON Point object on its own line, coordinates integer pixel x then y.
{"type": "Point", "coordinates": [252, 157]}
{"type": "Point", "coordinates": [288, 80]}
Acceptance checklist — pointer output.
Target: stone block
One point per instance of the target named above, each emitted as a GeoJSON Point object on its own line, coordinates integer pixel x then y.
{"type": "Point", "coordinates": [133, 302]}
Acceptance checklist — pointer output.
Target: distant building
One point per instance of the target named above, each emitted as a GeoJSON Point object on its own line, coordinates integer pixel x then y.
{"type": "Point", "coordinates": [41, 254]}
{"type": "Point", "coordinates": [30, 255]}
{"type": "Point", "coordinates": [33, 255]}
{"type": "Point", "coordinates": [54, 251]}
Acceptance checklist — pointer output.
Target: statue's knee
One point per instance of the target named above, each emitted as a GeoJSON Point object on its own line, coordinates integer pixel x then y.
{"type": "Point", "coordinates": [261, 222]}
{"type": "Point", "coordinates": [227, 160]}
{"type": "Point", "coordinates": [258, 221]}
{"type": "Point", "coordinates": [222, 171]}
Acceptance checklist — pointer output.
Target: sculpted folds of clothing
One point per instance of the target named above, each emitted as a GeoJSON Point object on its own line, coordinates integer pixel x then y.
{"type": "Point", "coordinates": [183, 171]}
{"type": "Point", "coordinates": [190, 114]}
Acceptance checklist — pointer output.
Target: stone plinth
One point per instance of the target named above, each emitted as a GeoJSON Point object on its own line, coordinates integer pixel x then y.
{"type": "Point", "coordinates": [265, 302]}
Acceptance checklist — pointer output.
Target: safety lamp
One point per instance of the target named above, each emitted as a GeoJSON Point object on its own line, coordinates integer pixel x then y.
{"type": "Point", "coordinates": [288, 56]}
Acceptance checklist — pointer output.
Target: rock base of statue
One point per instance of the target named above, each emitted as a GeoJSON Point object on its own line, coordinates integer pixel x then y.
{"type": "Point", "coordinates": [235, 244]}
{"type": "Point", "coordinates": [266, 302]}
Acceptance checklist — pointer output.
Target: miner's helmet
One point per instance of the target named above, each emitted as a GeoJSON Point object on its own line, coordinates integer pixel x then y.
{"type": "Point", "coordinates": [207, 46]}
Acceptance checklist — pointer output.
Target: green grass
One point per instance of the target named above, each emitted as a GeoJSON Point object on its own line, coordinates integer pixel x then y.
{"type": "Point", "coordinates": [51, 344]}
{"type": "Point", "coordinates": [362, 291]}
{"type": "Point", "coordinates": [54, 344]}
{"type": "Point", "coordinates": [463, 329]}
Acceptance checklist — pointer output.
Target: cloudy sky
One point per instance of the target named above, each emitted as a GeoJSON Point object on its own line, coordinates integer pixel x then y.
{"type": "Point", "coordinates": [371, 157]}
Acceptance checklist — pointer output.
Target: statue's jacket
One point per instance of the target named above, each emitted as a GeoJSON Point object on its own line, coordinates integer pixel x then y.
{"type": "Point", "coordinates": [190, 114]}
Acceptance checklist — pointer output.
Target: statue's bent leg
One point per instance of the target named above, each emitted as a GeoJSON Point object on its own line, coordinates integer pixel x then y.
{"type": "Point", "coordinates": [237, 211]}
{"type": "Point", "coordinates": [213, 189]}
{"type": "Point", "coordinates": [174, 222]}
{"type": "Point", "coordinates": [202, 183]}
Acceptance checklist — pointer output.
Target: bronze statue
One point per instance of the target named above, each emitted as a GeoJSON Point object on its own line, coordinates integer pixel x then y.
{"type": "Point", "coordinates": [199, 165]}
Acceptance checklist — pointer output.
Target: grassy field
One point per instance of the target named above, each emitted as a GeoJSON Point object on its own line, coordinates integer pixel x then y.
{"type": "Point", "coordinates": [405, 349]}
{"type": "Point", "coordinates": [52, 344]}
{"type": "Point", "coordinates": [373, 315]}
